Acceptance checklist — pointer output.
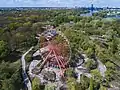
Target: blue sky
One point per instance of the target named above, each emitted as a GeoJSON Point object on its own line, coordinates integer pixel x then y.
{"type": "Point", "coordinates": [58, 3]}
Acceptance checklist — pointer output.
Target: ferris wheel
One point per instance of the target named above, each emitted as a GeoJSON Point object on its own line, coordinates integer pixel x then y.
{"type": "Point", "coordinates": [55, 50]}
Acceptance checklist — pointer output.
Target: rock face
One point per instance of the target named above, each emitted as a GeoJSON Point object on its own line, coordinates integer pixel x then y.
{"type": "Point", "coordinates": [49, 75]}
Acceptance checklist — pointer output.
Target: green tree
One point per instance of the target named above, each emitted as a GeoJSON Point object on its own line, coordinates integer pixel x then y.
{"type": "Point", "coordinates": [50, 86]}
{"type": "Point", "coordinates": [36, 84]}
{"type": "Point", "coordinates": [90, 64]}
{"type": "Point", "coordinates": [91, 84]}
{"type": "Point", "coordinates": [71, 82]}
{"type": "Point", "coordinates": [110, 65]}
{"type": "Point", "coordinates": [102, 87]}
{"type": "Point", "coordinates": [96, 75]}
{"type": "Point", "coordinates": [4, 51]}
{"type": "Point", "coordinates": [10, 76]}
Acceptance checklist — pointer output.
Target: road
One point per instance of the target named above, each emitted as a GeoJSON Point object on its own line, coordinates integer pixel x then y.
{"type": "Point", "coordinates": [102, 68]}
{"type": "Point", "coordinates": [25, 76]}
{"type": "Point", "coordinates": [81, 70]}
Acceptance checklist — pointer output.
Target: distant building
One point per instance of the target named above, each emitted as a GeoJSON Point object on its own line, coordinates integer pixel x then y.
{"type": "Point", "coordinates": [92, 11]}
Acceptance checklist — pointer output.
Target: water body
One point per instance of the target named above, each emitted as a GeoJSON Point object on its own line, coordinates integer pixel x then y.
{"type": "Point", "coordinates": [113, 17]}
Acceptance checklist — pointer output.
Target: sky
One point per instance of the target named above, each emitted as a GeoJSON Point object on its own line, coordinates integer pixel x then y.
{"type": "Point", "coordinates": [59, 3]}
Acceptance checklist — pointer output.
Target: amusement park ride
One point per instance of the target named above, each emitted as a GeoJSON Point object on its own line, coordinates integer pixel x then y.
{"type": "Point", "coordinates": [54, 50]}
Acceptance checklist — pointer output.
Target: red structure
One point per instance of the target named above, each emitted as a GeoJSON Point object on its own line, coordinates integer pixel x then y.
{"type": "Point", "coordinates": [56, 55]}
{"type": "Point", "coordinates": [53, 58]}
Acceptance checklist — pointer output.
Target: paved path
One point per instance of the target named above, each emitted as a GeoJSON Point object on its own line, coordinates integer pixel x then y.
{"type": "Point", "coordinates": [102, 68]}
{"type": "Point", "coordinates": [25, 76]}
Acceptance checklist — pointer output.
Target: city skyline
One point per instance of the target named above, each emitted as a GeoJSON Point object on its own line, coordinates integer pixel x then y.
{"type": "Point", "coordinates": [59, 3]}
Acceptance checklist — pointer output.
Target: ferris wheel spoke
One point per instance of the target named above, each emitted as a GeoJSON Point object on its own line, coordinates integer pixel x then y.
{"type": "Point", "coordinates": [58, 64]}
{"type": "Point", "coordinates": [61, 62]}
{"type": "Point", "coordinates": [44, 60]}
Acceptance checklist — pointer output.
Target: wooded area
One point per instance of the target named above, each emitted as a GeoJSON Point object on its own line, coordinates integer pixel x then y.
{"type": "Point", "coordinates": [94, 36]}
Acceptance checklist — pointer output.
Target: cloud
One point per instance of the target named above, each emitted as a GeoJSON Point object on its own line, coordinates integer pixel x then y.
{"type": "Point", "coordinates": [69, 3]}
{"type": "Point", "coordinates": [57, 1]}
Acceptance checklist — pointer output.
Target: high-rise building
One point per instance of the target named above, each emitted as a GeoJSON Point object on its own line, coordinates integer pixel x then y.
{"type": "Point", "coordinates": [91, 9]}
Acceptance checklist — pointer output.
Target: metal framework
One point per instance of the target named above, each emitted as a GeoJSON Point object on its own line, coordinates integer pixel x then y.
{"type": "Point", "coordinates": [54, 57]}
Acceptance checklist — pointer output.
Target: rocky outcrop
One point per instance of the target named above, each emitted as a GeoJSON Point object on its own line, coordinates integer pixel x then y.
{"type": "Point", "coordinates": [49, 75]}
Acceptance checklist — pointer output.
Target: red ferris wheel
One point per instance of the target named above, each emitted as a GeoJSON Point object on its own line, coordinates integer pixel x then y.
{"type": "Point", "coordinates": [55, 50]}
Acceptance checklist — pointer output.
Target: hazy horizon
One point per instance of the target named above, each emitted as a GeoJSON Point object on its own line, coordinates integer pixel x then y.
{"type": "Point", "coordinates": [59, 3]}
